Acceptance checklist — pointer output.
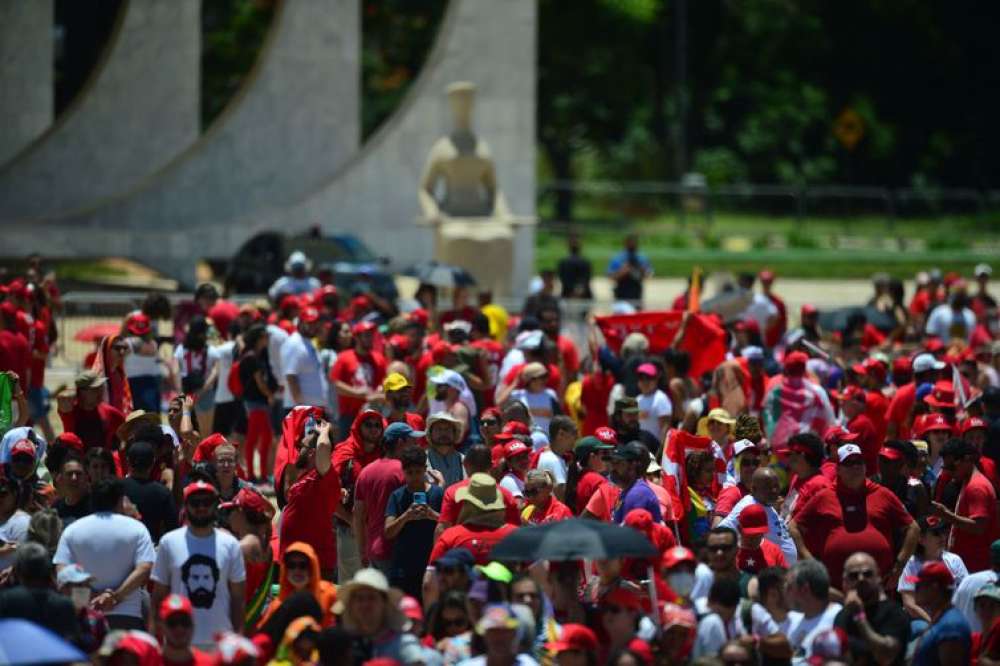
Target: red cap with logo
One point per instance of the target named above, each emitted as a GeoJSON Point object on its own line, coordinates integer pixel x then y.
{"type": "Point", "coordinates": [836, 435]}
{"type": "Point", "coordinates": [574, 637]}
{"type": "Point", "coordinates": [199, 487]}
{"type": "Point", "coordinates": [175, 604]}
{"type": "Point", "coordinates": [363, 327]}
{"type": "Point", "coordinates": [71, 440]}
{"type": "Point", "coordinates": [677, 555]}
{"type": "Point", "coordinates": [309, 315]}
{"type": "Point", "coordinates": [250, 500]}
{"type": "Point", "coordinates": [516, 428]}
{"type": "Point", "coordinates": [515, 448]}
{"type": "Point", "coordinates": [973, 423]}
{"type": "Point", "coordinates": [943, 396]}
{"type": "Point", "coordinates": [23, 447]}
{"type": "Point", "coordinates": [607, 435]}
{"type": "Point", "coordinates": [933, 572]}
{"type": "Point", "coordinates": [926, 423]}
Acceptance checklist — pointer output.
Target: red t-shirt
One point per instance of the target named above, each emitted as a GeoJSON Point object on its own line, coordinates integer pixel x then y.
{"type": "Point", "coordinates": [478, 540]}
{"type": "Point", "coordinates": [494, 359]}
{"type": "Point", "coordinates": [868, 441]}
{"type": "Point", "coordinates": [308, 516]}
{"type": "Point", "coordinates": [39, 344]}
{"type": "Point", "coordinates": [594, 392]}
{"type": "Point", "coordinates": [899, 409]}
{"type": "Point", "coordinates": [755, 559]}
{"type": "Point", "coordinates": [569, 355]}
{"type": "Point", "coordinates": [14, 355]}
{"type": "Point", "coordinates": [586, 486]}
{"type": "Point", "coordinates": [450, 508]}
{"type": "Point", "coordinates": [836, 523]}
{"type": "Point", "coordinates": [728, 497]}
{"type": "Point", "coordinates": [375, 483]}
{"type": "Point", "coordinates": [877, 409]}
{"type": "Point", "coordinates": [801, 491]}
{"type": "Point", "coordinates": [555, 511]}
{"type": "Point", "coordinates": [95, 428]}
{"type": "Point", "coordinates": [976, 500]}
{"type": "Point", "coordinates": [357, 372]}
{"type": "Point", "coordinates": [602, 503]}
{"type": "Point", "coordinates": [772, 336]}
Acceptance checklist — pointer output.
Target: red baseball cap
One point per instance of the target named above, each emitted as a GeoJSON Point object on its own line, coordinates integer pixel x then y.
{"type": "Point", "coordinates": [852, 393]}
{"type": "Point", "coordinates": [441, 349]}
{"type": "Point", "coordinates": [419, 316]}
{"type": "Point", "coordinates": [323, 292]}
{"type": "Point", "coordinates": [362, 327]}
{"type": "Point", "coordinates": [199, 487]}
{"type": "Point", "coordinates": [251, 500]}
{"type": "Point", "coordinates": [890, 453]}
{"type": "Point", "coordinates": [400, 342]}
{"type": "Point", "coordinates": [859, 369]}
{"type": "Point", "coordinates": [71, 440]}
{"type": "Point", "coordinates": [175, 604]}
{"type": "Point", "coordinates": [753, 520]}
{"type": "Point", "coordinates": [139, 324]}
{"type": "Point", "coordinates": [23, 446]}
{"type": "Point", "coordinates": [574, 637]}
{"type": "Point", "coordinates": [836, 435]}
{"type": "Point", "coordinates": [677, 555]}
{"type": "Point", "coordinates": [515, 448]}
{"type": "Point", "coordinates": [808, 309]}
{"type": "Point", "coordinates": [496, 453]}
{"type": "Point", "coordinates": [361, 301]}
{"type": "Point", "coordinates": [641, 649]}
{"type": "Point", "coordinates": [933, 345]}
{"type": "Point", "coordinates": [288, 302]}
{"type": "Point", "coordinates": [516, 428]}
{"type": "Point", "coordinates": [647, 369]}
{"type": "Point", "coordinates": [795, 363]}
{"type": "Point", "coordinates": [607, 435]}
{"type": "Point", "coordinates": [623, 598]}
{"type": "Point", "coordinates": [902, 365]}
{"type": "Point", "coordinates": [926, 423]}
{"type": "Point", "coordinates": [972, 423]}
{"type": "Point", "coordinates": [309, 315]}
{"type": "Point", "coordinates": [933, 572]}
{"type": "Point", "coordinates": [410, 607]}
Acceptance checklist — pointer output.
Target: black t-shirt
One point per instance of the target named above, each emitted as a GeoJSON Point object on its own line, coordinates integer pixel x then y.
{"type": "Point", "coordinates": [887, 618]}
{"type": "Point", "coordinates": [249, 366]}
{"type": "Point", "coordinates": [413, 545]}
{"type": "Point", "coordinates": [155, 504]}
{"type": "Point", "coordinates": [69, 513]}
{"type": "Point", "coordinates": [574, 276]}
{"type": "Point", "coordinates": [41, 606]}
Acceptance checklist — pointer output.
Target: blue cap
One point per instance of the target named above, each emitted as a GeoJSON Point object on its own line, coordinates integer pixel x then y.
{"type": "Point", "coordinates": [456, 557]}
{"type": "Point", "coordinates": [398, 431]}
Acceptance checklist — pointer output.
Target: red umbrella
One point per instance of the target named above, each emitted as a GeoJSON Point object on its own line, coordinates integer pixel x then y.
{"type": "Point", "coordinates": [96, 332]}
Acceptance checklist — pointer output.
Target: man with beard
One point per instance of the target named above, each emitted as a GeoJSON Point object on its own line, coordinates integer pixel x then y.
{"type": "Point", "coordinates": [399, 399]}
{"type": "Point", "coordinates": [205, 564]}
{"type": "Point", "coordinates": [115, 549]}
{"type": "Point", "coordinates": [629, 463]}
{"type": "Point", "coordinates": [625, 421]}
{"type": "Point", "coordinates": [301, 365]}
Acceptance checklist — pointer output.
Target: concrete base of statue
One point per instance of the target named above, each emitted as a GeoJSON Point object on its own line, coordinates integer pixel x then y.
{"type": "Point", "coordinates": [483, 246]}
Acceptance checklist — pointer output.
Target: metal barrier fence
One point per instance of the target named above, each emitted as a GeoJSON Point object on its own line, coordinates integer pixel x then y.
{"type": "Point", "coordinates": [698, 199]}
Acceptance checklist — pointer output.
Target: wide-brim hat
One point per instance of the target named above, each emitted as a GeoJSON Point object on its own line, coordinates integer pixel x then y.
{"type": "Point", "coordinates": [136, 420]}
{"type": "Point", "coordinates": [482, 493]}
{"type": "Point", "coordinates": [445, 417]}
{"type": "Point", "coordinates": [372, 579]}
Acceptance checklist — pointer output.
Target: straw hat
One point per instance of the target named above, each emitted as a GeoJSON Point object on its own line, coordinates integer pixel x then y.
{"type": "Point", "coordinates": [372, 579]}
{"type": "Point", "coordinates": [482, 493]}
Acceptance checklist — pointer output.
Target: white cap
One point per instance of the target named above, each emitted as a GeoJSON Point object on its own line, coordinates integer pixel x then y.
{"type": "Point", "coordinates": [459, 325]}
{"type": "Point", "coordinates": [982, 269]}
{"type": "Point", "coordinates": [848, 450]}
{"type": "Point", "coordinates": [527, 340]}
{"type": "Point", "coordinates": [752, 353]}
{"type": "Point", "coordinates": [741, 446]}
{"type": "Point", "coordinates": [448, 377]}
{"type": "Point", "coordinates": [926, 362]}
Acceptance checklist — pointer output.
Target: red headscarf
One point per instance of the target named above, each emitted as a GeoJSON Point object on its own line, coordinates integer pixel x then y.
{"type": "Point", "coordinates": [293, 428]}
{"type": "Point", "coordinates": [116, 391]}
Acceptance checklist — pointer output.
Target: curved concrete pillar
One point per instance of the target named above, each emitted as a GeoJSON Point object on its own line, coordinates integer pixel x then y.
{"type": "Point", "coordinates": [492, 44]}
{"type": "Point", "coordinates": [25, 73]}
{"type": "Point", "coordinates": [137, 111]}
{"type": "Point", "coordinates": [295, 121]}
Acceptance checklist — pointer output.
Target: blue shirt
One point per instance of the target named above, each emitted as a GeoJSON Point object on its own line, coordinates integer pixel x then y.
{"type": "Point", "coordinates": [638, 496]}
{"type": "Point", "coordinates": [951, 626]}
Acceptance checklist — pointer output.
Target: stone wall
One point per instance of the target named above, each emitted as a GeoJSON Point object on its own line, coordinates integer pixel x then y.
{"type": "Point", "coordinates": [26, 96]}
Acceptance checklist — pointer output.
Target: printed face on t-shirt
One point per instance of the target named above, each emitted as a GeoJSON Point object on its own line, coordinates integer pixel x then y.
{"type": "Point", "coordinates": [201, 576]}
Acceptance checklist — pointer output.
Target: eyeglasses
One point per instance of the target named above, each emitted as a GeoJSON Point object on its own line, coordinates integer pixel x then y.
{"type": "Point", "coordinates": [855, 576]}
{"type": "Point", "coordinates": [720, 548]}
{"type": "Point", "coordinates": [297, 565]}
{"type": "Point", "coordinates": [201, 503]}
{"type": "Point", "coordinates": [178, 621]}
{"type": "Point", "coordinates": [225, 462]}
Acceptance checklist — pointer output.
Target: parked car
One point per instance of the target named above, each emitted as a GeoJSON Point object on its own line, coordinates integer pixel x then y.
{"type": "Point", "coordinates": [351, 265]}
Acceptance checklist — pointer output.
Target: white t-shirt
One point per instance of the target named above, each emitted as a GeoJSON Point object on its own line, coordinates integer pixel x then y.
{"type": "Point", "coordinates": [276, 337]}
{"type": "Point", "coordinates": [141, 365]}
{"type": "Point", "coordinates": [513, 484]}
{"type": "Point", "coordinates": [201, 569]}
{"type": "Point", "coordinates": [541, 406]}
{"type": "Point", "coordinates": [550, 462]}
{"type": "Point", "coordinates": [15, 530]}
{"type": "Point", "coordinates": [193, 362]}
{"type": "Point", "coordinates": [954, 563]}
{"type": "Point", "coordinates": [803, 630]}
{"type": "Point", "coordinates": [703, 579]}
{"type": "Point", "coordinates": [652, 408]}
{"type": "Point", "coordinates": [108, 546]}
{"type": "Point", "coordinates": [288, 284]}
{"type": "Point", "coordinates": [761, 309]}
{"type": "Point", "coordinates": [764, 623]}
{"type": "Point", "coordinates": [777, 532]}
{"type": "Point", "coordinates": [965, 594]}
{"type": "Point", "coordinates": [946, 324]}
{"type": "Point", "coordinates": [713, 633]}
{"type": "Point", "coordinates": [300, 359]}
{"type": "Point", "coordinates": [223, 355]}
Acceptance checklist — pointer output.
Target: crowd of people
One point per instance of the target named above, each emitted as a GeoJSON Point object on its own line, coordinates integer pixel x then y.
{"type": "Point", "coordinates": [323, 477]}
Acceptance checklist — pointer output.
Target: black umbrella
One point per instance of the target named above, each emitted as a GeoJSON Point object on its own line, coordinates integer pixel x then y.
{"type": "Point", "coordinates": [441, 275]}
{"type": "Point", "coordinates": [572, 539]}
{"type": "Point", "coordinates": [836, 320]}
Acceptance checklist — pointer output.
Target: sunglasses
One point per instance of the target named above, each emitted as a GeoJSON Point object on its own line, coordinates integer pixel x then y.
{"type": "Point", "coordinates": [201, 503]}
{"type": "Point", "coordinates": [721, 548]}
{"type": "Point", "coordinates": [457, 622]}
{"type": "Point", "coordinates": [177, 621]}
{"type": "Point", "coordinates": [489, 423]}
{"type": "Point", "coordinates": [449, 570]}
{"type": "Point", "coordinates": [863, 574]}
{"type": "Point", "coordinates": [297, 565]}
{"type": "Point", "coordinates": [853, 462]}
{"type": "Point", "coordinates": [531, 492]}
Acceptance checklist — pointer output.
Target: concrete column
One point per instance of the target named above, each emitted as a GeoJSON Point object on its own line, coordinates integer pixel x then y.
{"type": "Point", "coordinates": [26, 54]}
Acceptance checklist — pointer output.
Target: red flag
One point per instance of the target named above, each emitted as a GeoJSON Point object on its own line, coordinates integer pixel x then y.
{"type": "Point", "coordinates": [704, 340]}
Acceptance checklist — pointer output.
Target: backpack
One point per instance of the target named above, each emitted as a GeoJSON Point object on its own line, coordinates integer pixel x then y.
{"type": "Point", "coordinates": [234, 382]}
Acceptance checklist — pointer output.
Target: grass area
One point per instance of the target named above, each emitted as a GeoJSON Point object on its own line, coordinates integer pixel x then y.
{"type": "Point", "coordinates": [810, 248]}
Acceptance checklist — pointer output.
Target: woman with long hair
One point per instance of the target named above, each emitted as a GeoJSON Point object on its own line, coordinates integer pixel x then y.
{"type": "Point", "coordinates": [110, 363]}
{"type": "Point", "coordinates": [258, 396]}
{"type": "Point", "coordinates": [586, 472]}
{"type": "Point", "coordinates": [932, 547]}
{"type": "Point", "coordinates": [195, 369]}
